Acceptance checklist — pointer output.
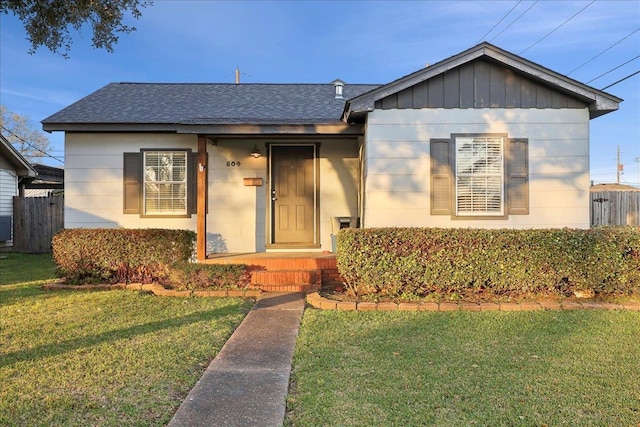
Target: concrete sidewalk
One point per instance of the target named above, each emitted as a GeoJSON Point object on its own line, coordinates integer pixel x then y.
{"type": "Point", "coordinates": [247, 383]}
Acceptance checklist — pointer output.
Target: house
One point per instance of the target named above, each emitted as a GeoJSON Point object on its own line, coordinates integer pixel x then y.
{"type": "Point", "coordinates": [49, 182]}
{"type": "Point", "coordinates": [484, 138]}
{"type": "Point", "coordinates": [15, 172]}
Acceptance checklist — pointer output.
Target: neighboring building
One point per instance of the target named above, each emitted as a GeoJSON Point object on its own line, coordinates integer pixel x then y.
{"type": "Point", "coordinates": [482, 139]}
{"type": "Point", "coordinates": [49, 182]}
{"type": "Point", "coordinates": [15, 172]}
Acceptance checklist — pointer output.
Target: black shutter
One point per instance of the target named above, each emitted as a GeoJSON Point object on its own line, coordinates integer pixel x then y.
{"type": "Point", "coordinates": [132, 178]}
{"type": "Point", "coordinates": [518, 177]}
{"type": "Point", "coordinates": [441, 177]}
{"type": "Point", "coordinates": [192, 179]}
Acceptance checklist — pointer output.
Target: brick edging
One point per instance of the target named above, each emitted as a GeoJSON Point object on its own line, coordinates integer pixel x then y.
{"type": "Point", "coordinates": [156, 290]}
{"type": "Point", "coordinates": [316, 300]}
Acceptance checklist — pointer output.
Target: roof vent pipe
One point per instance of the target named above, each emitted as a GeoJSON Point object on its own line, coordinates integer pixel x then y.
{"type": "Point", "coordinates": [339, 85]}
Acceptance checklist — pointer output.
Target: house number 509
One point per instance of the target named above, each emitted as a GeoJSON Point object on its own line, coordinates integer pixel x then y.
{"type": "Point", "coordinates": [233, 164]}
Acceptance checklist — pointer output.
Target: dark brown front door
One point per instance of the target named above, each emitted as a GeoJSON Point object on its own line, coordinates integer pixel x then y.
{"type": "Point", "coordinates": [293, 195]}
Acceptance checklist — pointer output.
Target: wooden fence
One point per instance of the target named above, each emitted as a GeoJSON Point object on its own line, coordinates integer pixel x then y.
{"type": "Point", "coordinates": [615, 208]}
{"type": "Point", "coordinates": [35, 221]}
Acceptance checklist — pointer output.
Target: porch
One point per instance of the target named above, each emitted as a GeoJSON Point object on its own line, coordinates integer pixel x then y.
{"type": "Point", "coordinates": [284, 271]}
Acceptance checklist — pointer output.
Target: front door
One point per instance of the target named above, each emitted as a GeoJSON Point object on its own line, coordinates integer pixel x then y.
{"type": "Point", "coordinates": [293, 195]}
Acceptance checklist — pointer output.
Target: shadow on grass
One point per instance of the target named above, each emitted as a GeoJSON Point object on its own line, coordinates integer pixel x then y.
{"type": "Point", "coordinates": [58, 348]}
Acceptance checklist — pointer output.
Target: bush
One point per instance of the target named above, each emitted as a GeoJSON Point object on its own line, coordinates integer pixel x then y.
{"type": "Point", "coordinates": [120, 255]}
{"type": "Point", "coordinates": [186, 276]}
{"type": "Point", "coordinates": [397, 262]}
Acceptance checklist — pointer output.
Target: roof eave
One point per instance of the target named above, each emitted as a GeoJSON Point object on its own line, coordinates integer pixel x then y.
{"type": "Point", "coordinates": [22, 165]}
{"type": "Point", "coordinates": [599, 102]}
{"type": "Point", "coordinates": [332, 128]}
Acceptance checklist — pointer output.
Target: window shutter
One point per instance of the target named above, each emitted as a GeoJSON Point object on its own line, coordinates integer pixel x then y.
{"type": "Point", "coordinates": [518, 177]}
{"type": "Point", "coordinates": [441, 176]}
{"type": "Point", "coordinates": [132, 177]}
{"type": "Point", "coordinates": [192, 192]}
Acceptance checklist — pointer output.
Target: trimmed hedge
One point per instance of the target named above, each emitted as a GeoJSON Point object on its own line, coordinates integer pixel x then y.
{"type": "Point", "coordinates": [110, 255]}
{"type": "Point", "coordinates": [410, 262]}
{"type": "Point", "coordinates": [195, 277]}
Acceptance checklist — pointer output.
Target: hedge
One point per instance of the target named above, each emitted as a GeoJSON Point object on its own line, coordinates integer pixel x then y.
{"type": "Point", "coordinates": [120, 255]}
{"type": "Point", "coordinates": [410, 262]}
{"type": "Point", "coordinates": [195, 277]}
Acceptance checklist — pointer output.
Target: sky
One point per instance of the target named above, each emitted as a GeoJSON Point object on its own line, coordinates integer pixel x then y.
{"type": "Point", "coordinates": [355, 41]}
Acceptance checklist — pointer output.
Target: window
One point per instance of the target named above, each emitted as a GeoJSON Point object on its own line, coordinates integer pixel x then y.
{"type": "Point", "coordinates": [165, 183]}
{"type": "Point", "coordinates": [479, 176]}
{"type": "Point", "coordinates": [161, 183]}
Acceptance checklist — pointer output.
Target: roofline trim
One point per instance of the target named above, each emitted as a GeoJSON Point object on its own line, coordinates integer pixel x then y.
{"type": "Point", "coordinates": [336, 128]}
{"type": "Point", "coordinates": [599, 102]}
{"type": "Point", "coordinates": [18, 159]}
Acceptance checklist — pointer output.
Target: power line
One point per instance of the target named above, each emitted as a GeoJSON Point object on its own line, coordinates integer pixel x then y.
{"type": "Point", "coordinates": [512, 22]}
{"type": "Point", "coordinates": [621, 80]}
{"type": "Point", "coordinates": [31, 145]}
{"type": "Point", "coordinates": [552, 31]}
{"type": "Point", "coordinates": [498, 23]}
{"type": "Point", "coordinates": [613, 69]}
{"type": "Point", "coordinates": [616, 43]}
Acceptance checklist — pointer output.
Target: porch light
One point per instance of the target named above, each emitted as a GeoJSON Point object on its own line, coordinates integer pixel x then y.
{"type": "Point", "coordinates": [255, 153]}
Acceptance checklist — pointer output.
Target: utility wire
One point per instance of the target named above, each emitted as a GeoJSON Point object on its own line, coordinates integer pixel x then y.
{"type": "Point", "coordinates": [498, 23]}
{"type": "Point", "coordinates": [613, 69]}
{"type": "Point", "coordinates": [31, 145]}
{"type": "Point", "coordinates": [621, 80]}
{"type": "Point", "coordinates": [552, 31]}
{"type": "Point", "coordinates": [512, 22]}
{"type": "Point", "coordinates": [616, 43]}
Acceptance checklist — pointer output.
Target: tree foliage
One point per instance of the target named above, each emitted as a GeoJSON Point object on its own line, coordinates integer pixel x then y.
{"type": "Point", "coordinates": [47, 22]}
{"type": "Point", "coordinates": [20, 131]}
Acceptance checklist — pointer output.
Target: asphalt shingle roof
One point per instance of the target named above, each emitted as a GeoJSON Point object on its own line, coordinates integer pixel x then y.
{"type": "Point", "coordinates": [208, 103]}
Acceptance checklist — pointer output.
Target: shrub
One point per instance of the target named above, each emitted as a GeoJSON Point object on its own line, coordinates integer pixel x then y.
{"type": "Point", "coordinates": [188, 276]}
{"type": "Point", "coordinates": [120, 255]}
{"type": "Point", "coordinates": [474, 262]}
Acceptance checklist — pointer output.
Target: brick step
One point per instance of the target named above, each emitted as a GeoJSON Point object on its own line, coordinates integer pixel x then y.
{"type": "Point", "coordinates": [286, 277]}
{"type": "Point", "coordinates": [289, 288]}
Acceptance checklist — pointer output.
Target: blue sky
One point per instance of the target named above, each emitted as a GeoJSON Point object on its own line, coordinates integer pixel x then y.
{"type": "Point", "coordinates": [356, 41]}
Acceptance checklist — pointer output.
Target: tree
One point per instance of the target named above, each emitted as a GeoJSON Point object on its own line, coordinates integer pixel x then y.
{"type": "Point", "coordinates": [20, 131]}
{"type": "Point", "coordinates": [47, 22]}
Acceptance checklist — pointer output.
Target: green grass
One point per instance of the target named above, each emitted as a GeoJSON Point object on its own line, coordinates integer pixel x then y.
{"type": "Point", "coordinates": [466, 368]}
{"type": "Point", "coordinates": [107, 358]}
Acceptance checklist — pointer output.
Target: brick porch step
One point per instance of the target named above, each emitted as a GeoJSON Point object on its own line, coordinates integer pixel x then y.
{"type": "Point", "coordinates": [290, 272]}
{"type": "Point", "coordinates": [287, 280]}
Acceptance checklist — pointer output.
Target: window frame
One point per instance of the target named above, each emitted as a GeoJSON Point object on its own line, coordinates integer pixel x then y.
{"type": "Point", "coordinates": [516, 177]}
{"type": "Point", "coordinates": [457, 141]}
{"type": "Point", "coordinates": [143, 182]}
{"type": "Point", "coordinates": [133, 182]}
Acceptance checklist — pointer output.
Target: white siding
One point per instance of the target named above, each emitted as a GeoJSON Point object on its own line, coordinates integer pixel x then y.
{"type": "Point", "coordinates": [397, 164]}
{"type": "Point", "coordinates": [93, 179]}
{"type": "Point", "coordinates": [237, 214]}
{"type": "Point", "coordinates": [8, 189]}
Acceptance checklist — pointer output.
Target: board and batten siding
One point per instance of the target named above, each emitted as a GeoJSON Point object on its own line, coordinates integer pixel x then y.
{"type": "Point", "coordinates": [479, 84]}
{"type": "Point", "coordinates": [396, 170]}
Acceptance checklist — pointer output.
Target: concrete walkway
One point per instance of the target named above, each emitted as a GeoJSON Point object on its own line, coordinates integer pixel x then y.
{"type": "Point", "coordinates": [247, 383]}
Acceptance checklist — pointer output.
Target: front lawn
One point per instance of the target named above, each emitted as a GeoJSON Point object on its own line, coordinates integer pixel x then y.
{"type": "Point", "coordinates": [106, 358]}
{"type": "Point", "coordinates": [466, 368]}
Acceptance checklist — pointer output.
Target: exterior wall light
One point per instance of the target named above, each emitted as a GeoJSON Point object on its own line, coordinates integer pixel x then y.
{"type": "Point", "coordinates": [255, 153]}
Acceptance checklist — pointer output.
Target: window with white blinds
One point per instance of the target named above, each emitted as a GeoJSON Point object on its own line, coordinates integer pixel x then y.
{"type": "Point", "coordinates": [165, 183]}
{"type": "Point", "coordinates": [479, 175]}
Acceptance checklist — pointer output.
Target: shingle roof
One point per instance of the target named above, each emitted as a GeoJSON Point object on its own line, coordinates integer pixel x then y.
{"type": "Point", "coordinates": [207, 103]}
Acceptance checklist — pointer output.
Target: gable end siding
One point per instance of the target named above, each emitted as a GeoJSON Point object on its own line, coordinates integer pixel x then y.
{"type": "Point", "coordinates": [479, 84]}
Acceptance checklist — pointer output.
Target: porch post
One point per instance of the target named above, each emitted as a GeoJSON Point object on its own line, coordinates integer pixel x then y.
{"type": "Point", "coordinates": [201, 228]}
